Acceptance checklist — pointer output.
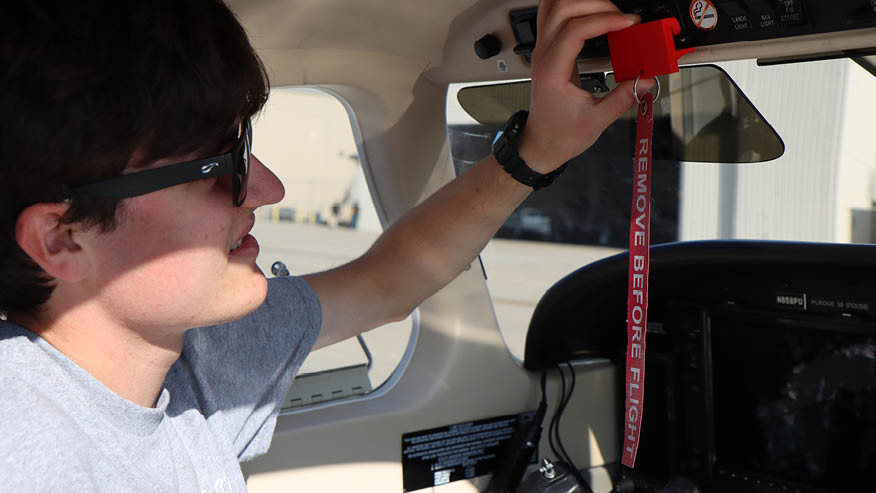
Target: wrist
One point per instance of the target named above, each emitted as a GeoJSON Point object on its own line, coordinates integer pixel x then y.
{"type": "Point", "coordinates": [506, 151]}
{"type": "Point", "coordinates": [534, 157]}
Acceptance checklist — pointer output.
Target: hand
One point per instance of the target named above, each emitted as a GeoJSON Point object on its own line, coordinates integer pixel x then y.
{"type": "Point", "coordinates": [565, 120]}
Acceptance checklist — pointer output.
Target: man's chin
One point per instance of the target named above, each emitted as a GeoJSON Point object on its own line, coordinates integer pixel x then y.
{"type": "Point", "coordinates": [256, 295]}
{"type": "Point", "coordinates": [247, 301]}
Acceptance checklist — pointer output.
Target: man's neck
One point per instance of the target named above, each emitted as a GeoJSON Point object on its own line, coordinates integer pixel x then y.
{"type": "Point", "coordinates": [125, 361]}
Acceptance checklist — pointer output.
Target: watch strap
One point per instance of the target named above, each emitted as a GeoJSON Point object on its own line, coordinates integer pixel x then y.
{"type": "Point", "coordinates": [520, 171]}
{"type": "Point", "coordinates": [506, 154]}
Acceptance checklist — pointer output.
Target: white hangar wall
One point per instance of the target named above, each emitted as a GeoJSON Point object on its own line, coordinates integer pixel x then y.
{"type": "Point", "coordinates": [797, 196]}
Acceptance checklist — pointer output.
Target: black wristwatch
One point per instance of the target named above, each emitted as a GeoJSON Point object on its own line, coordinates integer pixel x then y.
{"type": "Point", "coordinates": [506, 154]}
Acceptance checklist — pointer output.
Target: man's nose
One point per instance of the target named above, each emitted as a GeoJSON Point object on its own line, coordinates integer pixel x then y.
{"type": "Point", "coordinates": [264, 187]}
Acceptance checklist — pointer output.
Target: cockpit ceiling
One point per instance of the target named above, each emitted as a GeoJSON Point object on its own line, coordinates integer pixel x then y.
{"type": "Point", "coordinates": [438, 37]}
{"type": "Point", "coordinates": [413, 28]}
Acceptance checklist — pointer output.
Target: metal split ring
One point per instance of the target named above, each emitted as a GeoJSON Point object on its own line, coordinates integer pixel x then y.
{"type": "Point", "coordinates": [636, 87]}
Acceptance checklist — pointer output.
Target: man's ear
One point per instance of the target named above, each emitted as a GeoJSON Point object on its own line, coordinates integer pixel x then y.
{"type": "Point", "coordinates": [51, 243]}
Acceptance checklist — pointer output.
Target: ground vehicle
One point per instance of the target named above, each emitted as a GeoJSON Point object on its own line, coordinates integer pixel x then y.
{"type": "Point", "coordinates": [391, 63]}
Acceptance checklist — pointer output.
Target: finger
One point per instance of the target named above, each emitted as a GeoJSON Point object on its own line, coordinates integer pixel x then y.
{"type": "Point", "coordinates": [620, 100]}
{"type": "Point", "coordinates": [544, 11]}
{"type": "Point", "coordinates": [564, 10]}
{"type": "Point", "coordinates": [559, 60]}
{"type": "Point", "coordinates": [644, 87]}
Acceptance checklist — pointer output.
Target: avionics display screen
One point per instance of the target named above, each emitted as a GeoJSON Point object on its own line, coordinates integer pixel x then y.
{"type": "Point", "coordinates": [795, 404]}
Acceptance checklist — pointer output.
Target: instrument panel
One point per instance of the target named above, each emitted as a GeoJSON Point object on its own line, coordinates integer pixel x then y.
{"type": "Point", "coordinates": [760, 364]}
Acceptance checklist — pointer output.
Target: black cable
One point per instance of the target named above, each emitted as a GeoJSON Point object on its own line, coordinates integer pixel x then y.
{"type": "Point", "coordinates": [553, 418]}
{"type": "Point", "coordinates": [552, 429]}
{"type": "Point", "coordinates": [555, 423]}
{"type": "Point", "coordinates": [561, 406]}
{"type": "Point", "coordinates": [551, 425]}
{"type": "Point", "coordinates": [560, 415]}
{"type": "Point", "coordinates": [521, 447]}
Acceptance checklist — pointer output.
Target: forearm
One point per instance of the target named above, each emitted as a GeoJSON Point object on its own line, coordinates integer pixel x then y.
{"type": "Point", "coordinates": [434, 242]}
{"type": "Point", "coordinates": [418, 254]}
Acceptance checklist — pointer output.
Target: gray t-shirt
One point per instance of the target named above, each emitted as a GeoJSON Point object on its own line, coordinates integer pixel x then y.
{"type": "Point", "coordinates": [63, 430]}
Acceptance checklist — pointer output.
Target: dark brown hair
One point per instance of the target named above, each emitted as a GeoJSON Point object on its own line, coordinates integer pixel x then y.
{"type": "Point", "coordinates": [85, 84]}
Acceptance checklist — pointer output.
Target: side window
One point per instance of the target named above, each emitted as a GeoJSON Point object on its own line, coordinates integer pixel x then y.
{"type": "Point", "coordinates": [326, 219]}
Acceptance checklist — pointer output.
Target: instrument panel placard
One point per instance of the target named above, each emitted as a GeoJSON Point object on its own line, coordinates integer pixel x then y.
{"type": "Point", "coordinates": [459, 451]}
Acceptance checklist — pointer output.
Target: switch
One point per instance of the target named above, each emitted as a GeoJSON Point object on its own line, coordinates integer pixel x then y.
{"type": "Point", "coordinates": [523, 24]}
{"type": "Point", "coordinates": [525, 32]}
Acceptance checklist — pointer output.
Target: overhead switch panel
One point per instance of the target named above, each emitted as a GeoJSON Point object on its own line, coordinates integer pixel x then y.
{"type": "Point", "coordinates": [712, 22]}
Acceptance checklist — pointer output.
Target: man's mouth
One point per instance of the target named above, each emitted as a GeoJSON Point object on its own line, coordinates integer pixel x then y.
{"type": "Point", "coordinates": [236, 246]}
{"type": "Point", "coordinates": [244, 234]}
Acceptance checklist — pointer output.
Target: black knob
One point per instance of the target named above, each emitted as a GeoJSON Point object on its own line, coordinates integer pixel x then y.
{"type": "Point", "coordinates": [488, 46]}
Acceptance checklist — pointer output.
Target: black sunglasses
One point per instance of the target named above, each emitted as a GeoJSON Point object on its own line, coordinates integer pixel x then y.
{"type": "Point", "coordinates": [234, 162]}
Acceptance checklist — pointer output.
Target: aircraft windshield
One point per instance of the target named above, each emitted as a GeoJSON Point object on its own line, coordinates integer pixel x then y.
{"type": "Point", "coordinates": [822, 188]}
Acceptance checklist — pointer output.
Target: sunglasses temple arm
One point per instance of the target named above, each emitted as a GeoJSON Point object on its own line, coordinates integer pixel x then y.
{"type": "Point", "coordinates": [151, 180]}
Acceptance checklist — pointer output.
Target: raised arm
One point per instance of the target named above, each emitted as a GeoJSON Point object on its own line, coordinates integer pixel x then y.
{"type": "Point", "coordinates": [435, 241]}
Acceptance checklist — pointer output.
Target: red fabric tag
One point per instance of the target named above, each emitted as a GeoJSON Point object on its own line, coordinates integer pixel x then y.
{"type": "Point", "coordinates": [637, 292]}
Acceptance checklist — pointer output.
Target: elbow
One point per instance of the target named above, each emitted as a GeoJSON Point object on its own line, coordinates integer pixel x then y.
{"type": "Point", "coordinates": [399, 315]}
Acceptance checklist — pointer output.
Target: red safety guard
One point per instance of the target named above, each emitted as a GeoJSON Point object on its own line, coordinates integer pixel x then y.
{"type": "Point", "coordinates": [645, 49]}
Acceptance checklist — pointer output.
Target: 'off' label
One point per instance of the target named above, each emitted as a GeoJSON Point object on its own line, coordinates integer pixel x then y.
{"type": "Point", "coordinates": [704, 14]}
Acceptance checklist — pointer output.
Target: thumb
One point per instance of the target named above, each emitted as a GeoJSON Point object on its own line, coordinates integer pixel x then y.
{"type": "Point", "coordinates": [621, 99]}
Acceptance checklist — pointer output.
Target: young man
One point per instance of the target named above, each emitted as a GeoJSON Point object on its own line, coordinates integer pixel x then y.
{"type": "Point", "coordinates": [144, 349]}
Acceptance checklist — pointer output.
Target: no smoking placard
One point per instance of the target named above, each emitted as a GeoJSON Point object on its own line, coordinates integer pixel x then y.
{"type": "Point", "coordinates": [704, 14]}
